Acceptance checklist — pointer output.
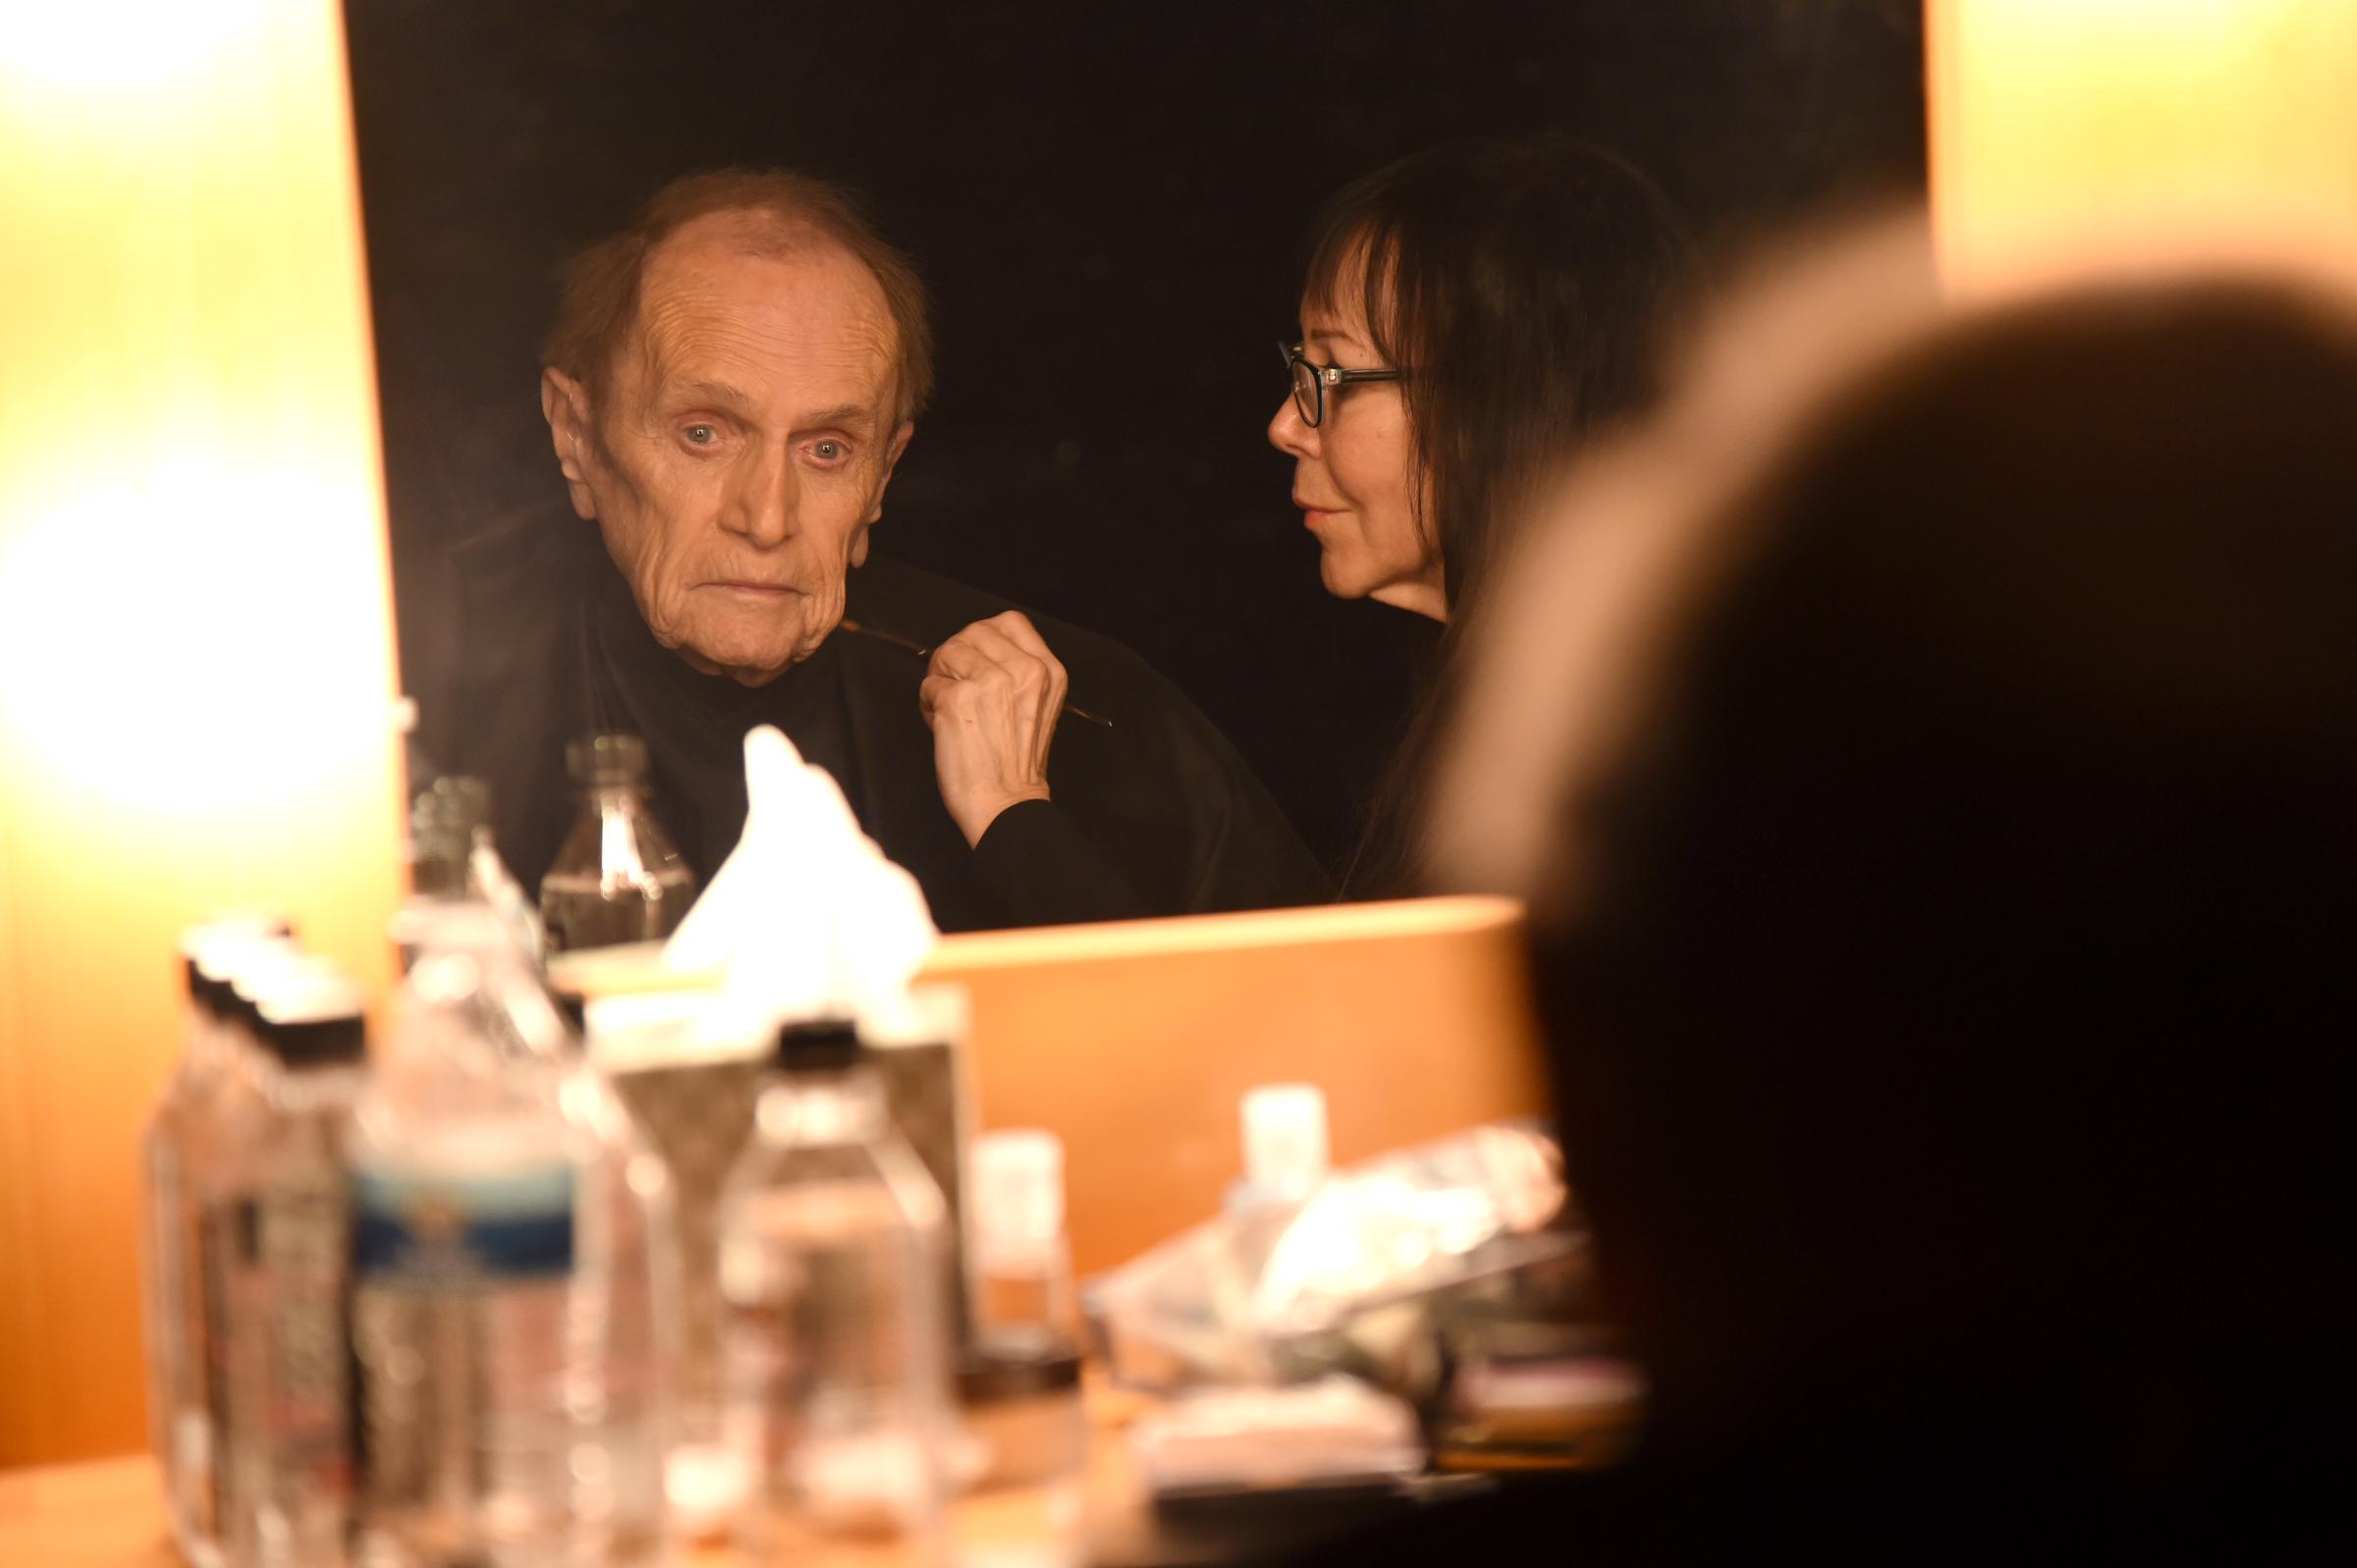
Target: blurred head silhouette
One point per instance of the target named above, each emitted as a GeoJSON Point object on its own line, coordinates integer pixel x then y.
{"type": "Point", "coordinates": [1933, 767]}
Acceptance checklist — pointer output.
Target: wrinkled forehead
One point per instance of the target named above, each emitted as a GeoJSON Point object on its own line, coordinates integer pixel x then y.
{"type": "Point", "coordinates": [782, 314]}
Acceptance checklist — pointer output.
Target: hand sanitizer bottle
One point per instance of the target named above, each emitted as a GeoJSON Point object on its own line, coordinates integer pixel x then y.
{"type": "Point", "coordinates": [1020, 1379]}
{"type": "Point", "coordinates": [1285, 1167]}
{"type": "Point", "coordinates": [1285, 1146]}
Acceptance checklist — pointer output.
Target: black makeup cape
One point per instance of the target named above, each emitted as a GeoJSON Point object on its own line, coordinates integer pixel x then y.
{"type": "Point", "coordinates": [525, 637]}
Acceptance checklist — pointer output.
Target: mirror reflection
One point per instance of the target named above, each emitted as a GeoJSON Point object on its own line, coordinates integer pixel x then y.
{"type": "Point", "coordinates": [945, 434]}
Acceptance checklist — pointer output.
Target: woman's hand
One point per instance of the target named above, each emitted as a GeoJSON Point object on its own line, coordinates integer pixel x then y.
{"type": "Point", "coordinates": [991, 695]}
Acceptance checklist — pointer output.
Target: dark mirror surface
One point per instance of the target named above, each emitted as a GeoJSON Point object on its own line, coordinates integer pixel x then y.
{"type": "Point", "coordinates": [1109, 205]}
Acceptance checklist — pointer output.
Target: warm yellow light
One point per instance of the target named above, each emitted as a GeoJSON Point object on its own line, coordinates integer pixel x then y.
{"type": "Point", "coordinates": [2076, 134]}
{"type": "Point", "coordinates": [195, 650]}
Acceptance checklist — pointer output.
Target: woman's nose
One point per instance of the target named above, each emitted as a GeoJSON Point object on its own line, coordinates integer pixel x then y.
{"type": "Point", "coordinates": [1290, 433]}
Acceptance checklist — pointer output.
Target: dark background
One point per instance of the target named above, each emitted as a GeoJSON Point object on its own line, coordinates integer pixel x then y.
{"type": "Point", "coordinates": [1108, 204]}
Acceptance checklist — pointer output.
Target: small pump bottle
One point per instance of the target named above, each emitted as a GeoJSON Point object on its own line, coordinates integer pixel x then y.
{"type": "Point", "coordinates": [1020, 1379]}
{"type": "Point", "coordinates": [1285, 1167]}
{"type": "Point", "coordinates": [1285, 1146]}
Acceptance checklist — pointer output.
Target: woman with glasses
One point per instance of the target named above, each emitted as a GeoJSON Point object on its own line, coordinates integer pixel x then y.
{"type": "Point", "coordinates": [1472, 314]}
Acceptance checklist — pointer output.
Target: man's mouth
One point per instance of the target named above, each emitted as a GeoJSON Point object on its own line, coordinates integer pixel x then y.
{"type": "Point", "coordinates": [756, 590]}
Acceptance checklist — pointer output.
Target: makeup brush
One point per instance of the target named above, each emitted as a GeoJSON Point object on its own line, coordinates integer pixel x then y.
{"type": "Point", "coordinates": [1071, 709]}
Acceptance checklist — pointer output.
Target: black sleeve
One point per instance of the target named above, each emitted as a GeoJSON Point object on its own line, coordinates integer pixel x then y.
{"type": "Point", "coordinates": [1254, 859]}
{"type": "Point", "coordinates": [1153, 812]}
{"type": "Point", "coordinates": [1168, 809]}
{"type": "Point", "coordinates": [1044, 870]}
{"type": "Point", "coordinates": [1245, 852]}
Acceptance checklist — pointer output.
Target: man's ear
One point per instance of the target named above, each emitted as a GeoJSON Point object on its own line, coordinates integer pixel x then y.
{"type": "Point", "coordinates": [875, 511]}
{"type": "Point", "coordinates": [566, 404]}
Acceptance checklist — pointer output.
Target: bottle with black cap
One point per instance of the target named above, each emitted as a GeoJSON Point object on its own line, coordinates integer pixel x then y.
{"type": "Point", "coordinates": [835, 1347]}
{"type": "Point", "coordinates": [180, 1422]}
{"type": "Point", "coordinates": [278, 1232]}
{"type": "Point", "coordinates": [219, 1141]}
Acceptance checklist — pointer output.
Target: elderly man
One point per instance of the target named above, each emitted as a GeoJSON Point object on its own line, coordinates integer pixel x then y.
{"type": "Point", "coordinates": [729, 385]}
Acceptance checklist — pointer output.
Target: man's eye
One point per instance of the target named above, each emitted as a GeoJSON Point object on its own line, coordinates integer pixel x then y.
{"type": "Point", "coordinates": [830, 451]}
{"type": "Point", "coordinates": [701, 435]}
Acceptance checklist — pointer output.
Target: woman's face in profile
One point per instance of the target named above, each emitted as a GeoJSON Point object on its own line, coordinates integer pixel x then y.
{"type": "Point", "coordinates": [1352, 475]}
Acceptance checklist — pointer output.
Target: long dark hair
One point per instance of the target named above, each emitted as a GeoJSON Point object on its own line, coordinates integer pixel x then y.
{"type": "Point", "coordinates": [1523, 286]}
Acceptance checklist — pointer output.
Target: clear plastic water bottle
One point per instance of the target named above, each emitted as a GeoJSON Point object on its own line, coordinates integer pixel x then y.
{"type": "Point", "coordinates": [446, 820]}
{"type": "Point", "coordinates": [617, 877]}
{"type": "Point", "coordinates": [835, 1349]}
{"type": "Point", "coordinates": [453, 860]}
{"type": "Point", "coordinates": [175, 1294]}
{"type": "Point", "coordinates": [511, 1255]}
{"type": "Point", "coordinates": [278, 1240]}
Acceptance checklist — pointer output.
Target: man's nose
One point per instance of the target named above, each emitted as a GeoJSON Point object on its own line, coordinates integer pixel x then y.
{"type": "Point", "coordinates": [762, 512]}
{"type": "Point", "coordinates": [1290, 433]}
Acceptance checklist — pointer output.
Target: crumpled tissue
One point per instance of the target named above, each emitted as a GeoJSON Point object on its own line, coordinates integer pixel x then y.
{"type": "Point", "coordinates": [806, 918]}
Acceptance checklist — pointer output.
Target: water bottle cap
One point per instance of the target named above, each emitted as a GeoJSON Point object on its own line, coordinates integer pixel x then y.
{"type": "Point", "coordinates": [315, 1020]}
{"type": "Point", "coordinates": [610, 759]}
{"type": "Point", "coordinates": [241, 925]}
{"type": "Point", "coordinates": [219, 934]}
{"type": "Point", "coordinates": [818, 1044]}
{"type": "Point", "coordinates": [274, 971]}
{"type": "Point", "coordinates": [219, 963]}
{"type": "Point", "coordinates": [1019, 1188]}
{"type": "Point", "coordinates": [268, 971]}
{"type": "Point", "coordinates": [454, 803]}
{"type": "Point", "coordinates": [1285, 1138]}
{"type": "Point", "coordinates": [1018, 1366]}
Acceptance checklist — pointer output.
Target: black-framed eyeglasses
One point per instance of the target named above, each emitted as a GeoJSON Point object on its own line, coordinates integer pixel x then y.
{"type": "Point", "coordinates": [1310, 381]}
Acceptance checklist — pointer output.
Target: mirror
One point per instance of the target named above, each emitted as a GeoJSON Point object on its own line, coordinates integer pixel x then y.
{"type": "Point", "coordinates": [1110, 214]}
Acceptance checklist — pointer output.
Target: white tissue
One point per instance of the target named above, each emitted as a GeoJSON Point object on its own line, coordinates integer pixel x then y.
{"type": "Point", "coordinates": [805, 918]}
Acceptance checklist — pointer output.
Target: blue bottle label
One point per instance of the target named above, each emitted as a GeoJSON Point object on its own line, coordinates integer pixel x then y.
{"type": "Point", "coordinates": [453, 1230]}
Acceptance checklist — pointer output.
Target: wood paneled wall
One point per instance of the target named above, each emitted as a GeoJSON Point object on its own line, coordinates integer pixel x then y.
{"type": "Point", "coordinates": [1135, 1042]}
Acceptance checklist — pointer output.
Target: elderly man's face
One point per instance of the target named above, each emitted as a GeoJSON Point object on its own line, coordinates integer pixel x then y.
{"type": "Point", "coordinates": [741, 446]}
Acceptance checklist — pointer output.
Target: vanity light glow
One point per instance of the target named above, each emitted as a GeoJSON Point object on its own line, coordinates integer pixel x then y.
{"type": "Point", "coordinates": [2070, 134]}
{"type": "Point", "coordinates": [196, 645]}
